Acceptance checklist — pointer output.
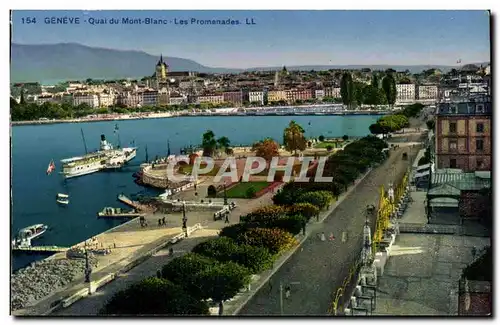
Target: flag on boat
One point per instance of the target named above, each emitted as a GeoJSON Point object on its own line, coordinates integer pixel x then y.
{"type": "Point", "coordinates": [51, 167]}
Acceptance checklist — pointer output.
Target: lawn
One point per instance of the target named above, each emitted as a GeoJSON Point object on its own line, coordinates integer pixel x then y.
{"type": "Point", "coordinates": [239, 190]}
{"type": "Point", "coordinates": [325, 144]}
{"type": "Point", "coordinates": [188, 169]}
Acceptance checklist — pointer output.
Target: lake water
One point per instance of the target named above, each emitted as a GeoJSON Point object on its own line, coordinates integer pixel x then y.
{"type": "Point", "coordinates": [34, 193]}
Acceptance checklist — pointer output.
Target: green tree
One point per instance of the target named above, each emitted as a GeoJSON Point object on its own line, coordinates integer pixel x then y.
{"type": "Point", "coordinates": [320, 199]}
{"type": "Point", "coordinates": [224, 143]}
{"type": "Point", "coordinates": [154, 296]}
{"type": "Point", "coordinates": [209, 143]}
{"type": "Point", "coordinates": [275, 240]}
{"type": "Point", "coordinates": [389, 87]}
{"type": "Point", "coordinates": [267, 149]}
{"type": "Point", "coordinates": [181, 270]}
{"type": "Point", "coordinates": [293, 138]}
{"type": "Point", "coordinates": [221, 248]}
{"type": "Point", "coordinates": [321, 138]}
{"type": "Point", "coordinates": [222, 282]}
{"type": "Point", "coordinates": [375, 81]}
{"type": "Point", "coordinates": [347, 89]}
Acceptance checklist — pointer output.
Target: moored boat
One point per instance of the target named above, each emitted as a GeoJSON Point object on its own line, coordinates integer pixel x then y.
{"type": "Point", "coordinates": [26, 235]}
{"type": "Point", "coordinates": [118, 212]}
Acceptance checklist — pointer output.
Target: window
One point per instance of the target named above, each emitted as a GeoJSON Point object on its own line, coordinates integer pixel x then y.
{"type": "Point", "coordinates": [480, 108]}
{"type": "Point", "coordinates": [452, 145]}
{"type": "Point", "coordinates": [453, 127]}
{"type": "Point", "coordinates": [453, 163]}
{"type": "Point", "coordinates": [479, 127]}
{"type": "Point", "coordinates": [479, 145]}
{"type": "Point", "coordinates": [479, 163]}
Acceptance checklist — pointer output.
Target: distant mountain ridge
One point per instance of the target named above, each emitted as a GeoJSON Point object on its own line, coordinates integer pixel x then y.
{"type": "Point", "coordinates": [71, 61]}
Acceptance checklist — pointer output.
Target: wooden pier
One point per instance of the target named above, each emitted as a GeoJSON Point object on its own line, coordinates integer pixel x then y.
{"type": "Point", "coordinates": [135, 205]}
{"type": "Point", "coordinates": [51, 249]}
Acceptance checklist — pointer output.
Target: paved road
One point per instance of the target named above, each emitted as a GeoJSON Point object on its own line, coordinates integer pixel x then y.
{"type": "Point", "coordinates": [320, 267]}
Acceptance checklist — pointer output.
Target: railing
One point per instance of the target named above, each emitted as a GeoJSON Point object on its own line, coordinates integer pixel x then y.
{"type": "Point", "coordinates": [340, 291]}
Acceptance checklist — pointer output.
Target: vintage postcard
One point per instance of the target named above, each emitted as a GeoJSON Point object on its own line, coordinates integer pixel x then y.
{"type": "Point", "coordinates": [251, 163]}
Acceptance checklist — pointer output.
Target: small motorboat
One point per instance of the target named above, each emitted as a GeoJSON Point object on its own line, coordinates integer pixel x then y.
{"type": "Point", "coordinates": [62, 198]}
{"type": "Point", "coordinates": [26, 235]}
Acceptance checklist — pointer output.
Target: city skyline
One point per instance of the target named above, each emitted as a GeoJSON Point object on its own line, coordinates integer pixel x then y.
{"type": "Point", "coordinates": [280, 37]}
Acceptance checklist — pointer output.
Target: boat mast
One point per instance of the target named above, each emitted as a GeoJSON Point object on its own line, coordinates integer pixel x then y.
{"type": "Point", "coordinates": [84, 143]}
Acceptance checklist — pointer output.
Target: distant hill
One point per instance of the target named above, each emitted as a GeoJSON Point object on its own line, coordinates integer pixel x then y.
{"type": "Point", "coordinates": [71, 61]}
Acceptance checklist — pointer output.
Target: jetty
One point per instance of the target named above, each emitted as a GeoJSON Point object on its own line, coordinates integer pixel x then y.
{"type": "Point", "coordinates": [48, 249]}
{"type": "Point", "coordinates": [136, 205]}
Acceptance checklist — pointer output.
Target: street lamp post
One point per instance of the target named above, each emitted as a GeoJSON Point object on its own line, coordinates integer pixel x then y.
{"type": "Point", "coordinates": [184, 218]}
{"type": "Point", "coordinates": [225, 196]}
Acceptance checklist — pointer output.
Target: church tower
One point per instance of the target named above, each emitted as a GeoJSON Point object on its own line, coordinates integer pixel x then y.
{"type": "Point", "coordinates": [161, 71]}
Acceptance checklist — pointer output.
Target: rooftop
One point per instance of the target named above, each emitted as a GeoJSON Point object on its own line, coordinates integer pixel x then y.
{"type": "Point", "coordinates": [480, 105]}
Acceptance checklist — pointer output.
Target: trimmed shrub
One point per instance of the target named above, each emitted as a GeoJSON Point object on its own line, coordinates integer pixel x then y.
{"type": "Point", "coordinates": [320, 199]}
{"type": "Point", "coordinates": [154, 296]}
{"type": "Point", "coordinates": [275, 240]}
{"type": "Point", "coordinates": [211, 191]}
{"type": "Point", "coordinates": [221, 248]}
{"type": "Point", "coordinates": [307, 210]}
{"type": "Point", "coordinates": [182, 269]}
{"type": "Point", "coordinates": [256, 259]}
{"type": "Point", "coordinates": [292, 224]}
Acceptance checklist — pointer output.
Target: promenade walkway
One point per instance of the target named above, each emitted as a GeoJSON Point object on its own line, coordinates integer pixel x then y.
{"type": "Point", "coordinates": [127, 242]}
{"type": "Point", "coordinates": [90, 305]}
{"type": "Point", "coordinates": [319, 267]}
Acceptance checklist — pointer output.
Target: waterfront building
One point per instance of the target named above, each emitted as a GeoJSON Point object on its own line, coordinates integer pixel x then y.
{"type": "Point", "coordinates": [213, 99]}
{"type": "Point", "coordinates": [233, 97]}
{"type": "Point", "coordinates": [129, 99]}
{"type": "Point", "coordinates": [163, 96]}
{"type": "Point", "coordinates": [45, 99]}
{"type": "Point", "coordinates": [276, 95]}
{"type": "Point", "coordinates": [150, 98]}
{"type": "Point", "coordinates": [90, 99]}
{"type": "Point", "coordinates": [298, 94]}
{"type": "Point", "coordinates": [428, 92]}
{"type": "Point", "coordinates": [319, 93]}
{"type": "Point", "coordinates": [256, 96]}
{"type": "Point", "coordinates": [463, 134]}
{"type": "Point", "coordinates": [332, 92]}
{"type": "Point", "coordinates": [106, 99]}
{"type": "Point", "coordinates": [178, 100]}
{"type": "Point", "coordinates": [405, 93]}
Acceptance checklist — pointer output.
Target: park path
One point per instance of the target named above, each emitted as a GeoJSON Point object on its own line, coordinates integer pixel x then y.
{"type": "Point", "coordinates": [318, 268]}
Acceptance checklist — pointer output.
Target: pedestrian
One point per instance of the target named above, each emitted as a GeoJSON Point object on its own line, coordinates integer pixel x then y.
{"type": "Point", "coordinates": [287, 292]}
{"type": "Point", "coordinates": [474, 252]}
{"type": "Point", "coordinates": [331, 236]}
{"type": "Point", "coordinates": [270, 285]}
{"type": "Point", "coordinates": [163, 221]}
{"type": "Point", "coordinates": [114, 245]}
{"type": "Point", "coordinates": [227, 218]}
{"type": "Point", "coordinates": [323, 237]}
{"type": "Point", "coordinates": [159, 222]}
